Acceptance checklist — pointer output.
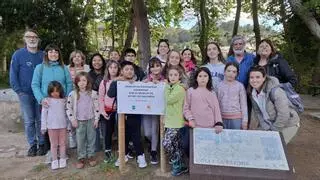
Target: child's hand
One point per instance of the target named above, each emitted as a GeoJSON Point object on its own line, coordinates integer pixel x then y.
{"type": "Point", "coordinates": [218, 129]}
{"type": "Point", "coordinates": [43, 131]}
{"type": "Point", "coordinates": [146, 81]}
{"type": "Point", "coordinates": [192, 123]}
{"type": "Point", "coordinates": [45, 103]}
{"type": "Point", "coordinates": [244, 126]}
{"type": "Point", "coordinates": [74, 123]}
{"type": "Point", "coordinates": [96, 123]}
{"type": "Point", "coordinates": [106, 116]}
{"type": "Point", "coordinates": [131, 81]}
{"type": "Point", "coordinates": [120, 78]}
{"type": "Point", "coordinates": [166, 81]}
{"type": "Point", "coordinates": [155, 81]}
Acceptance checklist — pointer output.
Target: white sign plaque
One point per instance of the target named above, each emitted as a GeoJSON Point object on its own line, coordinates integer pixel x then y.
{"type": "Point", "coordinates": [239, 148]}
{"type": "Point", "coordinates": [140, 98]}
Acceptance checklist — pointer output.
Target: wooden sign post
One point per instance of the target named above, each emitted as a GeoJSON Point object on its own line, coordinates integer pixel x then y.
{"type": "Point", "coordinates": [121, 142]}
{"type": "Point", "coordinates": [163, 162]}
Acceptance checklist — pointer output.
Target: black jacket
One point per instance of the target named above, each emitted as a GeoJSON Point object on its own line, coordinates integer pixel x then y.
{"type": "Point", "coordinates": [278, 67]}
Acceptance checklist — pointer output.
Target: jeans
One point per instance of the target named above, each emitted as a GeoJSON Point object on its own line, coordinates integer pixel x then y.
{"type": "Point", "coordinates": [31, 116]}
{"type": "Point", "coordinates": [232, 123]}
{"type": "Point", "coordinates": [185, 133]}
{"type": "Point", "coordinates": [86, 138]}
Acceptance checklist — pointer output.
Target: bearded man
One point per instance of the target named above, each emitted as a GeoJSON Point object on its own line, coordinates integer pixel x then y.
{"type": "Point", "coordinates": [243, 58]}
{"type": "Point", "coordinates": [23, 63]}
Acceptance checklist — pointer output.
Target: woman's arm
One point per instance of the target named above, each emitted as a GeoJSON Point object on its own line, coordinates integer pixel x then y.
{"type": "Point", "coordinates": [36, 83]}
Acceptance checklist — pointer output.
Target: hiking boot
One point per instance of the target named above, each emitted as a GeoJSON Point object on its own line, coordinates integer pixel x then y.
{"type": "Point", "coordinates": [62, 163]}
{"type": "Point", "coordinates": [54, 164]}
{"type": "Point", "coordinates": [154, 158]}
{"type": "Point", "coordinates": [80, 164]}
{"type": "Point", "coordinates": [107, 156]}
{"type": "Point", "coordinates": [42, 150]}
{"type": "Point", "coordinates": [32, 151]}
{"type": "Point", "coordinates": [92, 161]}
{"type": "Point", "coordinates": [117, 163]}
{"type": "Point", "coordinates": [142, 161]}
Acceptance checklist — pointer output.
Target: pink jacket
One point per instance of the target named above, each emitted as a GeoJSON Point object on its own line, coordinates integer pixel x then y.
{"type": "Point", "coordinates": [105, 102]}
{"type": "Point", "coordinates": [233, 100]}
{"type": "Point", "coordinates": [202, 106]}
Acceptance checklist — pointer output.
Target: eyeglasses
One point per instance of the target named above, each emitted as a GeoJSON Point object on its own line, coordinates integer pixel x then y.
{"type": "Point", "coordinates": [31, 37]}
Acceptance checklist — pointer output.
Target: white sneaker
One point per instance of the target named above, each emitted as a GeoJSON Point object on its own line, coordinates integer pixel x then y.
{"type": "Point", "coordinates": [48, 158]}
{"type": "Point", "coordinates": [54, 164]}
{"type": "Point", "coordinates": [142, 161]}
{"type": "Point", "coordinates": [62, 163]}
{"type": "Point", "coordinates": [117, 163]}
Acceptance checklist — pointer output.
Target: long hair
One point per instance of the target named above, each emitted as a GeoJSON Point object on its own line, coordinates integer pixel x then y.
{"type": "Point", "coordinates": [273, 49]}
{"type": "Point", "coordinates": [55, 86]}
{"type": "Point", "coordinates": [77, 79]}
{"type": "Point", "coordinates": [49, 48]}
{"type": "Point", "coordinates": [106, 72]}
{"type": "Point", "coordinates": [193, 59]}
{"type": "Point", "coordinates": [167, 65]}
{"type": "Point", "coordinates": [161, 41]}
{"type": "Point", "coordinates": [194, 83]}
{"type": "Point", "coordinates": [103, 62]}
{"type": "Point", "coordinates": [220, 56]}
{"type": "Point", "coordinates": [73, 55]}
{"type": "Point", "coordinates": [153, 61]}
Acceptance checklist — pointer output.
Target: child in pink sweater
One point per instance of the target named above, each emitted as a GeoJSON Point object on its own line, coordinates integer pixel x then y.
{"type": "Point", "coordinates": [201, 106]}
{"type": "Point", "coordinates": [54, 119]}
{"type": "Point", "coordinates": [233, 99]}
{"type": "Point", "coordinates": [107, 106]}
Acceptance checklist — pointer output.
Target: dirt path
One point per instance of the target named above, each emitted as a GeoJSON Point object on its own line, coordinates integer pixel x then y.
{"type": "Point", "coordinates": [303, 150]}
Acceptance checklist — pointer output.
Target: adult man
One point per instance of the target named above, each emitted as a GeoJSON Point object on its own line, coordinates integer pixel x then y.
{"type": "Point", "coordinates": [243, 58]}
{"type": "Point", "coordinates": [23, 63]}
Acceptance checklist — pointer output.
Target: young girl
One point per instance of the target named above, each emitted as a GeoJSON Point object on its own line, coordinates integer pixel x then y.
{"type": "Point", "coordinates": [108, 108]}
{"type": "Point", "coordinates": [201, 106]}
{"type": "Point", "coordinates": [174, 59]}
{"type": "Point", "coordinates": [151, 122]}
{"type": "Point", "coordinates": [174, 121]}
{"type": "Point", "coordinates": [53, 119]}
{"type": "Point", "coordinates": [83, 112]}
{"type": "Point", "coordinates": [233, 99]}
{"type": "Point", "coordinates": [214, 62]}
{"type": "Point", "coordinates": [77, 63]}
{"type": "Point", "coordinates": [190, 61]}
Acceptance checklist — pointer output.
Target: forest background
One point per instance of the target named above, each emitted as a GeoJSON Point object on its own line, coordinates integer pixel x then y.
{"type": "Point", "coordinates": [102, 25]}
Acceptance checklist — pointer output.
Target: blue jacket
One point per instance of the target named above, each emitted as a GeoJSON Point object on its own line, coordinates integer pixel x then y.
{"type": "Point", "coordinates": [22, 66]}
{"type": "Point", "coordinates": [244, 67]}
{"type": "Point", "coordinates": [44, 74]}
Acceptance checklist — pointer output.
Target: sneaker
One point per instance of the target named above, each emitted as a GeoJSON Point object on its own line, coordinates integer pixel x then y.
{"type": "Point", "coordinates": [117, 163]}
{"type": "Point", "coordinates": [41, 151]}
{"type": "Point", "coordinates": [142, 161]}
{"type": "Point", "coordinates": [54, 164]}
{"type": "Point", "coordinates": [154, 158]}
{"type": "Point", "coordinates": [32, 151]}
{"type": "Point", "coordinates": [48, 158]}
{"type": "Point", "coordinates": [107, 156]}
{"type": "Point", "coordinates": [130, 151]}
{"type": "Point", "coordinates": [92, 161]}
{"type": "Point", "coordinates": [178, 172]}
{"type": "Point", "coordinates": [170, 161]}
{"type": "Point", "coordinates": [80, 164]}
{"type": "Point", "coordinates": [62, 163]}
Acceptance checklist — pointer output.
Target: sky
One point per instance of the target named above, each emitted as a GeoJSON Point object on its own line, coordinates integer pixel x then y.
{"type": "Point", "coordinates": [190, 20]}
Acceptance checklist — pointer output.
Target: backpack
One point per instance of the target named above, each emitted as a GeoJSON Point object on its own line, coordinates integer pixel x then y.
{"type": "Point", "coordinates": [109, 109]}
{"type": "Point", "coordinates": [292, 95]}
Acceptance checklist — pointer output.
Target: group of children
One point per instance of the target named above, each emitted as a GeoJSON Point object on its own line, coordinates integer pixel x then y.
{"type": "Point", "coordinates": [208, 97]}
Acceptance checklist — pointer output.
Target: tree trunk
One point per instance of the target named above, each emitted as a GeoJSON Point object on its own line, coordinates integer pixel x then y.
{"type": "Point", "coordinates": [143, 31]}
{"type": "Point", "coordinates": [306, 17]}
{"type": "Point", "coordinates": [130, 34]}
{"type": "Point", "coordinates": [113, 22]}
{"type": "Point", "coordinates": [256, 27]}
{"type": "Point", "coordinates": [237, 19]}
{"type": "Point", "coordinates": [203, 29]}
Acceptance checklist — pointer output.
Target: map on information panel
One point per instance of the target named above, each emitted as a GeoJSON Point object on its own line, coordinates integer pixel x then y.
{"type": "Point", "coordinates": [238, 148]}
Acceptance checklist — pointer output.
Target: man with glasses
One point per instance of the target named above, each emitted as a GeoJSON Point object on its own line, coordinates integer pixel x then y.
{"type": "Point", "coordinates": [23, 63]}
{"type": "Point", "coordinates": [245, 61]}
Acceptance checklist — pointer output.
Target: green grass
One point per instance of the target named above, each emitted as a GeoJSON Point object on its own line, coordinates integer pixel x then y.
{"type": "Point", "coordinates": [40, 167]}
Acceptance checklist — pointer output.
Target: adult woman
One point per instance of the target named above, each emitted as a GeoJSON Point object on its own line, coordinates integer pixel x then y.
{"type": "Point", "coordinates": [271, 106]}
{"type": "Point", "coordinates": [97, 66]}
{"type": "Point", "coordinates": [77, 63]}
{"type": "Point", "coordinates": [163, 50]}
{"type": "Point", "coordinates": [274, 63]}
{"type": "Point", "coordinates": [52, 69]}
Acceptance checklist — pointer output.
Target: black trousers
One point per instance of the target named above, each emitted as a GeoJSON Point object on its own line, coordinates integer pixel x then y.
{"type": "Point", "coordinates": [133, 132]}
{"type": "Point", "coordinates": [108, 130]}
